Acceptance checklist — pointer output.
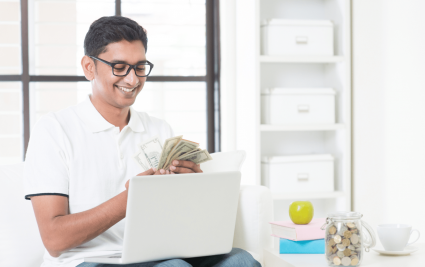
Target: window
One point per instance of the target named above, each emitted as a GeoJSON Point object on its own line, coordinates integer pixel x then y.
{"type": "Point", "coordinates": [42, 44]}
{"type": "Point", "coordinates": [11, 121]}
{"type": "Point", "coordinates": [56, 33]}
{"type": "Point", "coordinates": [10, 38]}
{"type": "Point", "coordinates": [176, 39]}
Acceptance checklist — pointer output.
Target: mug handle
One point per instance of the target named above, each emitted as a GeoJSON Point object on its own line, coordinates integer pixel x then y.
{"type": "Point", "coordinates": [411, 232]}
{"type": "Point", "coordinates": [372, 242]}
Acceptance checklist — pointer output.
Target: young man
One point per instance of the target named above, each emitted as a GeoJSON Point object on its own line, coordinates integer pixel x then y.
{"type": "Point", "coordinates": [79, 162]}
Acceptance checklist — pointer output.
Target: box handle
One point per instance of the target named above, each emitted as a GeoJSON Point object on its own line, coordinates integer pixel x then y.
{"type": "Point", "coordinates": [302, 177]}
{"type": "Point", "coordinates": [301, 39]}
{"type": "Point", "coordinates": [303, 108]}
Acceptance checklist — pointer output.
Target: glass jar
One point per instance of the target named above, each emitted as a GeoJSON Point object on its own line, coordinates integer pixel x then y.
{"type": "Point", "coordinates": [345, 238]}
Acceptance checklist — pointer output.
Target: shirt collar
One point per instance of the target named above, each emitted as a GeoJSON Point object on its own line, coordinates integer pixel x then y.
{"type": "Point", "coordinates": [96, 123]}
{"type": "Point", "coordinates": [135, 122]}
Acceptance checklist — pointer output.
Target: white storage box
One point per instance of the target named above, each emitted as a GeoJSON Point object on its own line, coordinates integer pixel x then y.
{"type": "Point", "coordinates": [297, 105]}
{"type": "Point", "coordinates": [297, 37]}
{"type": "Point", "coordinates": [297, 174]}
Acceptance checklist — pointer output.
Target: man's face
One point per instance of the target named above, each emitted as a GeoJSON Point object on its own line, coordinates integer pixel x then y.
{"type": "Point", "coordinates": [119, 92]}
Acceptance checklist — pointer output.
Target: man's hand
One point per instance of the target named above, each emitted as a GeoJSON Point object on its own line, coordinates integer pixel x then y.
{"type": "Point", "coordinates": [184, 166]}
{"type": "Point", "coordinates": [148, 172]}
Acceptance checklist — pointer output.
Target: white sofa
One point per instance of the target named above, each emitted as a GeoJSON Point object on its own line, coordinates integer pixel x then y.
{"type": "Point", "coordinates": [21, 245]}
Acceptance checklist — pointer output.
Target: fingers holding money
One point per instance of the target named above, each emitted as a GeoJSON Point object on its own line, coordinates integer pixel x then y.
{"type": "Point", "coordinates": [184, 166]}
{"type": "Point", "coordinates": [148, 172]}
{"type": "Point", "coordinates": [161, 172]}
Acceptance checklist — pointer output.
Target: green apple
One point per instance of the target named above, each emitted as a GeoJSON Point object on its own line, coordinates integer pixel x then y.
{"type": "Point", "coordinates": [301, 212]}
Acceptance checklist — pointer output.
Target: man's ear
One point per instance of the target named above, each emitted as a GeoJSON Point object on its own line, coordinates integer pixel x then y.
{"type": "Point", "coordinates": [88, 67]}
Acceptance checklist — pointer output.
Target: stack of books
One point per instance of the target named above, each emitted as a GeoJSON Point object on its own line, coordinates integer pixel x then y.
{"type": "Point", "coordinates": [293, 238]}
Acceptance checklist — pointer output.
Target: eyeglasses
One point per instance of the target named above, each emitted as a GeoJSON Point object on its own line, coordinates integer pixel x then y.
{"type": "Point", "coordinates": [123, 69]}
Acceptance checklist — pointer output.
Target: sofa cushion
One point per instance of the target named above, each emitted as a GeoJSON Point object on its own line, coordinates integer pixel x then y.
{"type": "Point", "coordinates": [255, 211]}
{"type": "Point", "coordinates": [21, 244]}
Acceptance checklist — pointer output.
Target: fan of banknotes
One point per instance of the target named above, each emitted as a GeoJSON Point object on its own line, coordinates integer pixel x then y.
{"type": "Point", "coordinates": [153, 155]}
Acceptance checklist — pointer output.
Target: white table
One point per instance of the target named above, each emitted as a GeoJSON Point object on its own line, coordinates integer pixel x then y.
{"type": "Point", "coordinates": [371, 259]}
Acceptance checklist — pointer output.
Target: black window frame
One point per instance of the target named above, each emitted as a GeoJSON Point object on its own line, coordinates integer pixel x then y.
{"type": "Point", "coordinates": [212, 77]}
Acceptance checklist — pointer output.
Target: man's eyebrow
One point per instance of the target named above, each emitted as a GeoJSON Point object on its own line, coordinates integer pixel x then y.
{"type": "Point", "coordinates": [121, 61]}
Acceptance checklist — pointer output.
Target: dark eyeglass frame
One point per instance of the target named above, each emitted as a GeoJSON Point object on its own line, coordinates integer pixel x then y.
{"type": "Point", "coordinates": [129, 69]}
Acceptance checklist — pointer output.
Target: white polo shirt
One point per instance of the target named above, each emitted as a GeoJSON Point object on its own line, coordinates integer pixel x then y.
{"type": "Point", "coordinates": [76, 153]}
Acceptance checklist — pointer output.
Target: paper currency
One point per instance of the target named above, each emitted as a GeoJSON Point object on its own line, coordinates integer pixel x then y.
{"type": "Point", "coordinates": [183, 147]}
{"type": "Point", "coordinates": [148, 155]}
{"type": "Point", "coordinates": [169, 144]}
{"type": "Point", "coordinates": [152, 150]}
{"type": "Point", "coordinates": [197, 157]}
{"type": "Point", "coordinates": [141, 160]}
{"type": "Point", "coordinates": [153, 155]}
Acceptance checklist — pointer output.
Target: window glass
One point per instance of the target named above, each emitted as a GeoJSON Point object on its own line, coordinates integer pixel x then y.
{"type": "Point", "coordinates": [181, 104]}
{"type": "Point", "coordinates": [176, 40]}
{"type": "Point", "coordinates": [10, 38]}
{"type": "Point", "coordinates": [48, 97]}
{"type": "Point", "coordinates": [11, 122]}
{"type": "Point", "coordinates": [57, 31]}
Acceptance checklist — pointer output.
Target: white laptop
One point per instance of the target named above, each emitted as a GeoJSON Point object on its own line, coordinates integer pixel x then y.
{"type": "Point", "coordinates": [178, 216]}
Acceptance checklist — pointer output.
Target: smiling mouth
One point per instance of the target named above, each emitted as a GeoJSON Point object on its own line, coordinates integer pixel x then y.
{"type": "Point", "coordinates": [126, 89]}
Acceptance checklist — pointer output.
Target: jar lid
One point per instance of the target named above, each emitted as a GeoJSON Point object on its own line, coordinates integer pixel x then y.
{"type": "Point", "coordinates": [345, 215]}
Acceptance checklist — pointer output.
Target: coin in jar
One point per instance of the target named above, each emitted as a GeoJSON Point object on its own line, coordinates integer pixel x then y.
{"type": "Point", "coordinates": [337, 239]}
{"type": "Point", "coordinates": [340, 254]}
{"type": "Point", "coordinates": [334, 249]}
{"type": "Point", "coordinates": [331, 242]}
{"type": "Point", "coordinates": [354, 261]}
{"type": "Point", "coordinates": [352, 247]}
{"type": "Point", "coordinates": [346, 242]}
{"type": "Point", "coordinates": [337, 261]}
{"type": "Point", "coordinates": [341, 247]}
{"type": "Point", "coordinates": [347, 252]}
{"type": "Point", "coordinates": [342, 230]}
{"type": "Point", "coordinates": [346, 261]}
{"type": "Point", "coordinates": [351, 225]}
{"type": "Point", "coordinates": [347, 234]}
{"type": "Point", "coordinates": [354, 239]}
{"type": "Point", "coordinates": [332, 230]}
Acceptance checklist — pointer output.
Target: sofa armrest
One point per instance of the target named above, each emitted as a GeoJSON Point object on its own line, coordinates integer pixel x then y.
{"type": "Point", "coordinates": [255, 211]}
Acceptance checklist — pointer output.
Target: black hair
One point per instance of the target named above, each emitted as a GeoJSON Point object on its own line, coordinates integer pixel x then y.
{"type": "Point", "coordinates": [112, 29]}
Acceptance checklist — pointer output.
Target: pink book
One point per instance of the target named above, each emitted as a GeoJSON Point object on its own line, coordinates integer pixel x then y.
{"type": "Point", "coordinates": [299, 232]}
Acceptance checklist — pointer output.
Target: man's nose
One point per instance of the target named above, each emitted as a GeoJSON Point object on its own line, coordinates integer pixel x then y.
{"type": "Point", "coordinates": [131, 78]}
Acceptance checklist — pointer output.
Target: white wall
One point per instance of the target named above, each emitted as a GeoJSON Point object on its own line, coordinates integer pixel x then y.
{"type": "Point", "coordinates": [239, 82]}
{"type": "Point", "coordinates": [389, 111]}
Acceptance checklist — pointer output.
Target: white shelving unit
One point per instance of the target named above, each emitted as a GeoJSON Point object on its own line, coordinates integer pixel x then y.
{"type": "Point", "coordinates": [301, 59]}
{"type": "Point", "coordinates": [301, 127]}
{"type": "Point", "coordinates": [294, 72]}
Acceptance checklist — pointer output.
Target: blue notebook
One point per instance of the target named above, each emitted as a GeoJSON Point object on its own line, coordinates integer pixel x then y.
{"type": "Point", "coordinates": [302, 247]}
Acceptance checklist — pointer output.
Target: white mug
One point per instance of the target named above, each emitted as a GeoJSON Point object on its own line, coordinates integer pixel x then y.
{"type": "Point", "coordinates": [394, 237]}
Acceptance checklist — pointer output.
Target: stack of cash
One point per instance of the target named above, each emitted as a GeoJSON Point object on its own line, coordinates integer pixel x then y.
{"type": "Point", "coordinates": [152, 154]}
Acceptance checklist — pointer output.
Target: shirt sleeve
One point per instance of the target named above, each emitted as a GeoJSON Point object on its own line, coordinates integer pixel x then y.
{"type": "Point", "coordinates": [46, 169]}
